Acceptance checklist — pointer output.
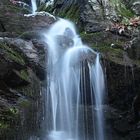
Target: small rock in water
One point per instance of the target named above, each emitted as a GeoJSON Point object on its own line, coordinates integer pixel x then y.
{"type": "Point", "coordinates": [68, 32]}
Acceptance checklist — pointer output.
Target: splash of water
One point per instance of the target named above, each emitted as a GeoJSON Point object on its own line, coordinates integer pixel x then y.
{"type": "Point", "coordinates": [34, 6]}
{"type": "Point", "coordinates": [75, 78]}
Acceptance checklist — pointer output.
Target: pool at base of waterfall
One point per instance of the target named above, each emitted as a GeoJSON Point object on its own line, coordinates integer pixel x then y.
{"type": "Point", "coordinates": [59, 135]}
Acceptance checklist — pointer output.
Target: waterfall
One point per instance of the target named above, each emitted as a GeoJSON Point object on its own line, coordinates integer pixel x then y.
{"type": "Point", "coordinates": [34, 6]}
{"type": "Point", "coordinates": [75, 86]}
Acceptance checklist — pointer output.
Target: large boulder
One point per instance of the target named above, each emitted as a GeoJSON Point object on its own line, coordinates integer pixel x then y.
{"type": "Point", "coordinates": [21, 71]}
{"type": "Point", "coordinates": [133, 5]}
{"type": "Point", "coordinates": [15, 20]}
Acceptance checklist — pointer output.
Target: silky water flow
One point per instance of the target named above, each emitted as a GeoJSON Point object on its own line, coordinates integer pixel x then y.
{"type": "Point", "coordinates": [34, 6]}
{"type": "Point", "coordinates": [75, 86]}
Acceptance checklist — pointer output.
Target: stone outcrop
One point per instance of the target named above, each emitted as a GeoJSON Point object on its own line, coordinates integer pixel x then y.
{"type": "Point", "coordinates": [15, 20]}
{"type": "Point", "coordinates": [22, 71]}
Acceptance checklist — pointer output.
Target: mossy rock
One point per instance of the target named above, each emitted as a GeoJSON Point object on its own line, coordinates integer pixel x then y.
{"type": "Point", "coordinates": [30, 35]}
{"type": "Point", "coordinates": [9, 122]}
{"type": "Point", "coordinates": [122, 10]}
{"type": "Point", "coordinates": [8, 117]}
{"type": "Point", "coordinates": [11, 54]}
{"type": "Point", "coordinates": [103, 39]}
{"type": "Point", "coordinates": [102, 42]}
{"type": "Point", "coordinates": [30, 90]}
{"type": "Point", "coordinates": [24, 103]}
{"type": "Point", "coordinates": [23, 74]}
{"type": "Point", "coordinates": [71, 13]}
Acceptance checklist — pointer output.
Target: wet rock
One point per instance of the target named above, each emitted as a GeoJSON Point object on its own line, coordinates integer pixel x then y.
{"type": "Point", "coordinates": [8, 96]}
{"type": "Point", "coordinates": [22, 70]}
{"type": "Point", "coordinates": [29, 35]}
{"type": "Point", "coordinates": [27, 55]}
{"type": "Point", "coordinates": [9, 60]}
{"type": "Point", "coordinates": [15, 21]}
{"type": "Point", "coordinates": [25, 47]}
{"type": "Point", "coordinates": [15, 79]}
{"type": "Point", "coordinates": [20, 86]}
{"type": "Point", "coordinates": [64, 42]}
{"type": "Point", "coordinates": [62, 4]}
{"type": "Point", "coordinates": [135, 5]}
{"type": "Point", "coordinates": [134, 50]}
{"type": "Point", "coordinates": [122, 126]}
{"type": "Point", "coordinates": [7, 34]}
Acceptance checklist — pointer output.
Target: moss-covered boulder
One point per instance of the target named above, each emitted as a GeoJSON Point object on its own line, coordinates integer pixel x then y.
{"type": "Point", "coordinates": [21, 72]}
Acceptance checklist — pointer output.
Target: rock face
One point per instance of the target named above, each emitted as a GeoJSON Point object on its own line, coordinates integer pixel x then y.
{"type": "Point", "coordinates": [134, 5]}
{"type": "Point", "coordinates": [22, 71]}
{"type": "Point", "coordinates": [13, 19]}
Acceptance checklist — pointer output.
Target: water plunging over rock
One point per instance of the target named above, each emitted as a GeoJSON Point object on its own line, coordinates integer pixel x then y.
{"type": "Point", "coordinates": [74, 74]}
{"type": "Point", "coordinates": [34, 6]}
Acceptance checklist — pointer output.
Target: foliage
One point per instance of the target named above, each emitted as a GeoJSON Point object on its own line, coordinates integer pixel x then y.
{"type": "Point", "coordinates": [14, 110]}
{"type": "Point", "coordinates": [121, 9]}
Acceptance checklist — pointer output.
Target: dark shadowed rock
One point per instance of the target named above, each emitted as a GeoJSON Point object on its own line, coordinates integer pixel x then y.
{"type": "Point", "coordinates": [21, 73]}
{"type": "Point", "coordinates": [64, 42]}
{"type": "Point", "coordinates": [135, 5]}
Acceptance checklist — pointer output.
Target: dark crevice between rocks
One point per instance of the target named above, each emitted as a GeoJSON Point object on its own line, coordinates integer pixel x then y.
{"type": "Point", "coordinates": [2, 27]}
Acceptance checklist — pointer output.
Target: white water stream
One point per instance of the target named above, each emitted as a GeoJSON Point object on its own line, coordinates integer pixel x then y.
{"type": "Point", "coordinates": [34, 6]}
{"type": "Point", "coordinates": [74, 79]}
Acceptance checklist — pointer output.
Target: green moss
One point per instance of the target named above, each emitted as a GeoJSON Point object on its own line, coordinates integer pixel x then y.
{"type": "Point", "coordinates": [31, 90]}
{"type": "Point", "coordinates": [14, 110]}
{"type": "Point", "coordinates": [13, 8]}
{"type": "Point", "coordinates": [106, 49]}
{"type": "Point", "coordinates": [12, 54]}
{"type": "Point", "coordinates": [8, 116]}
{"type": "Point", "coordinates": [3, 125]}
{"type": "Point", "coordinates": [26, 91]}
{"type": "Point", "coordinates": [101, 39]}
{"type": "Point", "coordinates": [71, 13]}
{"type": "Point", "coordinates": [136, 62]}
{"type": "Point", "coordinates": [16, 57]}
{"type": "Point", "coordinates": [88, 36]}
{"type": "Point", "coordinates": [10, 113]}
{"type": "Point", "coordinates": [24, 103]}
{"type": "Point", "coordinates": [29, 35]}
{"type": "Point", "coordinates": [104, 46]}
{"type": "Point", "coordinates": [122, 10]}
{"type": "Point", "coordinates": [43, 7]}
{"type": "Point", "coordinates": [23, 74]}
{"type": "Point", "coordinates": [112, 54]}
{"type": "Point", "coordinates": [16, 9]}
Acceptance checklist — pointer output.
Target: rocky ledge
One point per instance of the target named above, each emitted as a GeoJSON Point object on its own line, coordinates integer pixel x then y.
{"type": "Point", "coordinates": [22, 70]}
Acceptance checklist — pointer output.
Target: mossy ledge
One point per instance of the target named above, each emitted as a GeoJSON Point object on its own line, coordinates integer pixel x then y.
{"type": "Point", "coordinates": [110, 46]}
{"type": "Point", "coordinates": [72, 13]}
{"type": "Point", "coordinates": [11, 54]}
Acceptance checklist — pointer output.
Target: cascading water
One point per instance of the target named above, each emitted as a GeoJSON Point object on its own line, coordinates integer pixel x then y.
{"type": "Point", "coordinates": [34, 6]}
{"type": "Point", "coordinates": [74, 78]}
